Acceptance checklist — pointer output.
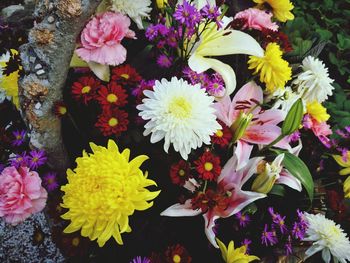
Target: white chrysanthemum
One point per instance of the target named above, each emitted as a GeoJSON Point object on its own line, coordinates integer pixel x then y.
{"type": "Point", "coordinates": [328, 237]}
{"type": "Point", "coordinates": [181, 113]}
{"type": "Point", "coordinates": [314, 83]}
{"type": "Point", "coordinates": [135, 9]}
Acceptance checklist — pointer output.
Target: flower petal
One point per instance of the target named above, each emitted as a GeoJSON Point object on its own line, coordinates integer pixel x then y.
{"type": "Point", "coordinates": [287, 179]}
{"type": "Point", "coordinates": [178, 210]}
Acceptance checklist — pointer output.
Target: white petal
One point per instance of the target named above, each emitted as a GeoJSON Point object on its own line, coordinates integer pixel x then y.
{"type": "Point", "coordinates": [179, 210]}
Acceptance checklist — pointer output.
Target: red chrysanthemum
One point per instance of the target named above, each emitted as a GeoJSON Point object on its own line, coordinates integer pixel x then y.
{"type": "Point", "coordinates": [125, 75]}
{"type": "Point", "coordinates": [84, 89]}
{"type": "Point", "coordinates": [60, 109]}
{"type": "Point", "coordinates": [222, 137]}
{"type": "Point", "coordinates": [177, 254]}
{"type": "Point", "coordinates": [270, 36]}
{"type": "Point", "coordinates": [180, 172]}
{"type": "Point", "coordinates": [112, 95]}
{"type": "Point", "coordinates": [208, 166]}
{"type": "Point", "coordinates": [210, 200]}
{"type": "Point", "coordinates": [112, 121]}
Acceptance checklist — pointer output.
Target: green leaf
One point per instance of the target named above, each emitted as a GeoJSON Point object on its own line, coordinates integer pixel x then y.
{"type": "Point", "coordinates": [293, 119]}
{"type": "Point", "coordinates": [300, 171]}
{"type": "Point", "coordinates": [278, 189]}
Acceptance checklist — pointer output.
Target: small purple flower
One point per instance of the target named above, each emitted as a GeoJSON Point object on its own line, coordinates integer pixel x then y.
{"type": "Point", "coordinates": [151, 32]}
{"type": "Point", "coordinates": [244, 219]}
{"type": "Point", "coordinates": [295, 136]}
{"type": "Point", "coordinates": [36, 159]}
{"type": "Point", "coordinates": [164, 61]}
{"type": "Point", "coordinates": [19, 137]}
{"type": "Point", "coordinates": [187, 14]}
{"type": "Point", "coordinates": [288, 246]}
{"type": "Point", "coordinates": [344, 154]}
{"type": "Point", "coordinates": [268, 237]}
{"type": "Point", "coordinates": [298, 231]}
{"type": "Point", "coordinates": [212, 12]}
{"type": "Point", "coordinates": [347, 128]}
{"type": "Point", "coordinates": [278, 220]}
{"type": "Point", "coordinates": [342, 134]}
{"type": "Point", "coordinates": [216, 87]}
{"type": "Point", "coordinates": [191, 75]}
{"type": "Point", "coordinates": [140, 260]}
{"type": "Point", "coordinates": [246, 242]}
{"type": "Point", "coordinates": [19, 160]}
{"type": "Point", "coordinates": [50, 181]}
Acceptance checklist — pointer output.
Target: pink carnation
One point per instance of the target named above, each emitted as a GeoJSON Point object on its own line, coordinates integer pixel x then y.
{"type": "Point", "coordinates": [257, 19]}
{"type": "Point", "coordinates": [101, 39]}
{"type": "Point", "coordinates": [21, 194]}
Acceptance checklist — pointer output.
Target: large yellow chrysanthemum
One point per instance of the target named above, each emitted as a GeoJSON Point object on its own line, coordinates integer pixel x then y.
{"type": "Point", "coordinates": [280, 8]}
{"type": "Point", "coordinates": [103, 191]}
{"type": "Point", "coordinates": [9, 83]}
{"type": "Point", "coordinates": [274, 70]}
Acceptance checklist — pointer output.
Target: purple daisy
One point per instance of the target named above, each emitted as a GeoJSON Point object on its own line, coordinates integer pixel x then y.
{"type": "Point", "coordinates": [243, 219]}
{"type": "Point", "coordinates": [246, 242]}
{"type": "Point", "coordinates": [36, 159]}
{"type": "Point", "coordinates": [19, 136]}
{"type": "Point", "coordinates": [212, 12]}
{"type": "Point", "coordinates": [50, 181]}
{"type": "Point", "coordinates": [187, 14]}
{"type": "Point", "coordinates": [19, 160]}
{"type": "Point", "coordinates": [164, 61]}
{"type": "Point", "coordinates": [140, 260]}
{"type": "Point", "coordinates": [288, 246]}
{"type": "Point", "coordinates": [268, 237]}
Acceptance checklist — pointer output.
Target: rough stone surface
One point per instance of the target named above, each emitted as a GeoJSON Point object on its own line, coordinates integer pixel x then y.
{"type": "Point", "coordinates": [29, 242]}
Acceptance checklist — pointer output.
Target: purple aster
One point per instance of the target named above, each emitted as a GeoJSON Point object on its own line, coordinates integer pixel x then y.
{"type": "Point", "coordinates": [187, 14]}
{"type": "Point", "coordinates": [140, 260]}
{"type": "Point", "coordinates": [244, 219]}
{"type": "Point", "coordinates": [36, 159]}
{"type": "Point", "coordinates": [212, 12]}
{"type": "Point", "coordinates": [347, 128]}
{"type": "Point", "coordinates": [246, 242]}
{"type": "Point", "coordinates": [342, 134]}
{"type": "Point", "coordinates": [191, 75]}
{"type": "Point", "coordinates": [19, 137]}
{"type": "Point", "coordinates": [172, 39]}
{"type": "Point", "coordinates": [216, 87]}
{"type": "Point", "coordinates": [151, 32]}
{"type": "Point", "coordinates": [288, 246]}
{"type": "Point", "coordinates": [164, 61]}
{"type": "Point", "coordinates": [268, 237]}
{"type": "Point", "coordinates": [19, 160]}
{"type": "Point", "coordinates": [278, 220]}
{"type": "Point", "coordinates": [298, 231]}
{"type": "Point", "coordinates": [50, 181]}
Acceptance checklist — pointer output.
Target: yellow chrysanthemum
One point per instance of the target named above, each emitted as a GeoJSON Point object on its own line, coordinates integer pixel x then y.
{"type": "Point", "coordinates": [317, 111]}
{"type": "Point", "coordinates": [343, 162]}
{"type": "Point", "coordinates": [274, 70]}
{"type": "Point", "coordinates": [9, 83]}
{"type": "Point", "coordinates": [232, 255]}
{"type": "Point", "coordinates": [280, 8]}
{"type": "Point", "coordinates": [103, 191]}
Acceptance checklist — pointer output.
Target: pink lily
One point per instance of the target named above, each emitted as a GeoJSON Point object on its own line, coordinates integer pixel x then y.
{"type": "Point", "coordinates": [249, 123]}
{"type": "Point", "coordinates": [229, 186]}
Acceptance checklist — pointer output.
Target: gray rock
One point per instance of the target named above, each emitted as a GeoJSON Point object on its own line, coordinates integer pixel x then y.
{"type": "Point", "coordinates": [10, 10]}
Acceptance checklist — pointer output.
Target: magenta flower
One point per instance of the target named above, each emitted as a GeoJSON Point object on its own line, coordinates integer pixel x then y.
{"type": "Point", "coordinates": [36, 159]}
{"type": "Point", "coordinates": [19, 137]}
{"type": "Point", "coordinates": [244, 219]}
{"type": "Point", "coordinates": [164, 61]}
{"type": "Point", "coordinates": [21, 194]}
{"type": "Point", "coordinates": [230, 181]}
{"type": "Point", "coordinates": [187, 14]}
{"type": "Point", "coordinates": [19, 160]}
{"type": "Point", "coordinates": [268, 237]}
{"type": "Point", "coordinates": [249, 123]}
{"type": "Point", "coordinates": [101, 39]}
{"type": "Point", "coordinates": [140, 260]}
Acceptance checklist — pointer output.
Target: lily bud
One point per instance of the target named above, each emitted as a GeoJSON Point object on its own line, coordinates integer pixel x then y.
{"type": "Point", "coordinates": [293, 118]}
{"type": "Point", "coordinates": [240, 125]}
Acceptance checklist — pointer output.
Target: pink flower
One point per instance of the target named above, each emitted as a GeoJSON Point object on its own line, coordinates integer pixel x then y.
{"type": "Point", "coordinates": [257, 19]}
{"type": "Point", "coordinates": [230, 183]}
{"type": "Point", "coordinates": [21, 194]}
{"type": "Point", "coordinates": [260, 125]}
{"type": "Point", "coordinates": [321, 129]}
{"type": "Point", "coordinates": [101, 39]}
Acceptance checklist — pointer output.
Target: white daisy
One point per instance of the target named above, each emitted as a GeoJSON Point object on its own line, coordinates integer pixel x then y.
{"type": "Point", "coordinates": [314, 82]}
{"type": "Point", "coordinates": [328, 237]}
{"type": "Point", "coordinates": [181, 113]}
{"type": "Point", "coordinates": [135, 9]}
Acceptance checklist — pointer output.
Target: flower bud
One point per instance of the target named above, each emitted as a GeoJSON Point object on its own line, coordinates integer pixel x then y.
{"type": "Point", "coordinates": [240, 125]}
{"type": "Point", "coordinates": [161, 3]}
{"type": "Point", "coordinates": [293, 118]}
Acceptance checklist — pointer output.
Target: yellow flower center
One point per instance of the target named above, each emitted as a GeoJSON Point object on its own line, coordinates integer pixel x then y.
{"type": "Point", "coordinates": [62, 110]}
{"type": "Point", "coordinates": [125, 76]}
{"type": "Point", "coordinates": [176, 258]}
{"type": "Point", "coordinates": [219, 133]}
{"type": "Point", "coordinates": [112, 122]}
{"type": "Point", "coordinates": [85, 89]}
{"type": "Point", "coordinates": [18, 137]}
{"type": "Point", "coordinates": [182, 172]}
{"type": "Point", "coordinates": [35, 159]}
{"type": "Point", "coordinates": [208, 166]}
{"type": "Point", "coordinates": [111, 98]}
{"type": "Point", "coordinates": [180, 108]}
{"type": "Point", "coordinates": [75, 241]}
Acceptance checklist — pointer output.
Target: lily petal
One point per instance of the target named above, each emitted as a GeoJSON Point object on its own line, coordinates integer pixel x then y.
{"type": "Point", "coordinates": [209, 221]}
{"type": "Point", "coordinates": [242, 152]}
{"type": "Point", "coordinates": [287, 179]}
{"type": "Point", "coordinates": [179, 210]}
